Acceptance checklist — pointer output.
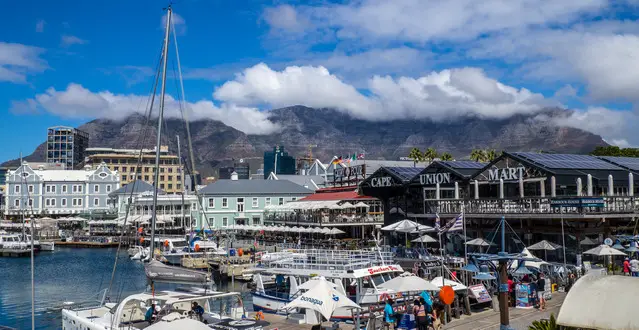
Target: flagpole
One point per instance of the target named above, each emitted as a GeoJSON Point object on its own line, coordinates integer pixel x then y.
{"type": "Point", "coordinates": [465, 237]}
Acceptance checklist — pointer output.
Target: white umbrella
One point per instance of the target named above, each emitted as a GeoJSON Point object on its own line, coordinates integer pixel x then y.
{"type": "Point", "coordinates": [408, 282]}
{"type": "Point", "coordinates": [362, 204]}
{"type": "Point", "coordinates": [588, 241]}
{"type": "Point", "coordinates": [311, 283]}
{"type": "Point", "coordinates": [322, 298]}
{"type": "Point", "coordinates": [424, 239]}
{"type": "Point", "coordinates": [335, 231]}
{"type": "Point", "coordinates": [478, 242]}
{"type": "Point", "coordinates": [335, 207]}
{"type": "Point", "coordinates": [347, 205]}
{"type": "Point", "coordinates": [404, 226]}
{"type": "Point", "coordinates": [604, 250]}
{"type": "Point", "coordinates": [326, 231]}
{"type": "Point", "coordinates": [546, 246]}
{"type": "Point", "coordinates": [438, 282]}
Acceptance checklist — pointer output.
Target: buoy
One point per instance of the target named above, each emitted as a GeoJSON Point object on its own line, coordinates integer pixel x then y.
{"type": "Point", "coordinates": [166, 243]}
{"type": "Point", "coordinates": [240, 252]}
{"type": "Point", "coordinates": [447, 294]}
{"type": "Point", "coordinates": [140, 230]}
{"type": "Point", "coordinates": [197, 247]}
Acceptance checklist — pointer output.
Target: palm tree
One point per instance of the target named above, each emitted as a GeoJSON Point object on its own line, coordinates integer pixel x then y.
{"type": "Point", "coordinates": [446, 156]}
{"type": "Point", "coordinates": [550, 324]}
{"type": "Point", "coordinates": [491, 154]}
{"type": "Point", "coordinates": [430, 154]}
{"type": "Point", "coordinates": [416, 156]}
{"type": "Point", "coordinates": [478, 155]}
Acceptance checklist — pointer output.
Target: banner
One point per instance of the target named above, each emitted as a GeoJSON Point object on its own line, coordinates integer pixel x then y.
{"type": "Point", "coordinates": [480, 293]}
{"type": "Point", "coordinates": [522, 295]}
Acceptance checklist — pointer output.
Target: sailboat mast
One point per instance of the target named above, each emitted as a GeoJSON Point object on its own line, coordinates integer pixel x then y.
{"type": "Point", "coordinates": [156, 179]}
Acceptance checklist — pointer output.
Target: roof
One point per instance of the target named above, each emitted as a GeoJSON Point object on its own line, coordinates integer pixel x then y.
{"type": "Point", "coordinates": [254, 187]}
{"type": "Point", "coordinates": [570, 164]}
{"type": "Point", "coordinates": [135, 187]}
{"type": "Point", "coordinates": [309, 181]}
{"type": "Point", "coordinates": [630, 163]}
{"type": "Point", "coordinates": [404, 173]}
{"type": "Point", "coordinates": [374, 165]}
{"type": "Point", "coordinates": [464, 168]}
{"type": "Point", "coordinates": [335, 196]}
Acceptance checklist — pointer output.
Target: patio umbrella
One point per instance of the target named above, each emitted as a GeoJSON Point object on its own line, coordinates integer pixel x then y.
{"type": "Point", "coordinates": [347, 205]}
{"type": "Point", "coordinates": [335, 231]}
{"type": "Point", "coordinates": [618, 246]}
{"type": "Point", "coordinates": [405, 226]}
{"type": "Point", "coordinates": [408, 282]}
{"type": "Point", "coordinates": [546, 246]}
{"type": "Point", "coordinates": [424, 239]}
{"type": "Point", "coordinates": [604, 250]}
{"type": "Point", "coordinates": [588, 241]}
{"type": "Point", "coordinates": [438, 282]}
{"type": "Point", "coordinates": [326, 231]}
{"type": "Point", "coordinates": [322, 298]}
{"type": "Point", "coordinates": [478, 242]}
{"type": "Point", "coordinates": [362, 204]}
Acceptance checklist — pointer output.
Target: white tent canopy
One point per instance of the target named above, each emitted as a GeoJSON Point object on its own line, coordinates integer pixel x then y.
{"type": "Point", "coordinates": [323, 298]}
{"type": "Point", "coordinates": [408, 282]}
{"type": "Point", "coordinates": [362, 204]}
{"type": "Point", "coordinates": [527, 254]}
{"type": "Point", "coordinates": [604, 250]}
{"type": "Point", "coordinates": [601, 302]}
{"type": "Point", "coordinates": [335, 231]}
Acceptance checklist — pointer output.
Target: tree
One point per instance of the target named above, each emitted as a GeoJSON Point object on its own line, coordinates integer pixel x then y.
{"type": "Point", "coordinates": [478, 155]}
{"type": "Point", "coordinates": [430, 154]}
{"type": "Point", "coordinates": [615, 151]}
{"type": "Point", "coordinates": [446, 156]}
{"type": "Point", "coordinates": [490, 154]}
{"type": "Point", "coordinates": [550, 324]}
{"type": "Point", "coordinates": [416, 156]}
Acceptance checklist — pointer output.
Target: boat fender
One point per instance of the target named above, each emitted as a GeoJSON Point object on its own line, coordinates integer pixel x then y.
{"type": "Point", "coordinates": [197, 247]}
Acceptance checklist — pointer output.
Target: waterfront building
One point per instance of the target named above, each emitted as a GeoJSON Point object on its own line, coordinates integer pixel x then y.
{"type": "Point", "coordinates": [174, 211]}
{"type": "Point", "coordinates": [539, 195]}
{"type": "Point", "coordinates": [228, 202]}
{"type": "Point", "coordinates": [3, 178]}
{"type": "Point", "coordinates": [312, 182]}
{"type": "Point", "coordinates": [242, 169]}
{"type": "Point", "coordinates": [125, 162]}
{"type": "Point", "coordinates": [66, 145]}
{"type": "Point", "coordinates": [278, 161]}
{"type": "Point", "coordinates": [59, 192]}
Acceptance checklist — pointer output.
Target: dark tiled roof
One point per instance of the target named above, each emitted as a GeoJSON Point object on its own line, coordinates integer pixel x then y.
{"type": "Point", "coordinates": [135, 187]}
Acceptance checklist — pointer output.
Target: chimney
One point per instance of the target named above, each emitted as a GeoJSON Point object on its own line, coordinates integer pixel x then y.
{"type": "Point", "coordinates": [234, 176]}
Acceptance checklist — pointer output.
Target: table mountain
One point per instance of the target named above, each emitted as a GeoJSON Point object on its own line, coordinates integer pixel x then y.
{"type": "Point", "coordinates": [336, 133]}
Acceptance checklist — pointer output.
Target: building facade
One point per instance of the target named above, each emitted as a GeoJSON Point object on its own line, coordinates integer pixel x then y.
{"type": "Point", "coordinates": [229, 202]}
{"type": "Point", "coordinates": [59, 192]}
{"type": "Point", "coordinates": [278, 161]}
{"type": "Point", "coordinates": [125, 162]}
{"type": "Point", "coordinates": [66, 145]}
{"type": "Point", "coordinates": [242, 169]}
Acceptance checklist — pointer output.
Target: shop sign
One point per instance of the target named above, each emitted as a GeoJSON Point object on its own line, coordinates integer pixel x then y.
{"type": "Point", "coordinates": [479, 292]}
{"type": "Point", "coordinates": [348, 172]}
{"type": "Point", "coordinates": [508, 173]}
{"type": "Point", "coordinates": [377, 270]}
{"type": "Point", "coordinates": [384, 181]}
{"type": "Point", "coordinates": [577, 202]}
{"type": "Point", "coordinates": [434, 178]}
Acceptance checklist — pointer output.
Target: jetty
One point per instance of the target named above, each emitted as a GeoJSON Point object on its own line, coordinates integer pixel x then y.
{"type": "Point", "coordinates": [88, 244]}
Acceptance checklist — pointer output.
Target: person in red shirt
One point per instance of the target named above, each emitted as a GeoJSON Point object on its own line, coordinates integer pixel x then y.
{"type": "Point", "coordinates": [511, 290]}
{"type": "Point", "coordinates": [626, 267]}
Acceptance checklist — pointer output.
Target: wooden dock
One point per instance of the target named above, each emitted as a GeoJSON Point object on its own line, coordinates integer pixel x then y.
{"type": "Point", "coordinates": [15, 253]}
{"type": "Point", "coordinates": [81, 244]}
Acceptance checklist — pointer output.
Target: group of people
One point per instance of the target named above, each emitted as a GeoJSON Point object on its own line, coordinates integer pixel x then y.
{"type": "Point", "coordinates": [537, 285]}
{"type": "Point", "coordinates": [631, 267]}
{"type": "Point", "coordinates": [425, 311]}
{"type": "Point", "coordinates": [152, 313]}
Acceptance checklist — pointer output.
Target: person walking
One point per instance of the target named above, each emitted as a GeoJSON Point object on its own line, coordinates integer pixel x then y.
{"type": "Point", "coordinates": [626, 267]}
{"type": "Point", "coordinates": [634, 267]}
{"type": "Point", "coordinates": [541, 287]}
{"type": "Point", "coordinates": [389, 315]}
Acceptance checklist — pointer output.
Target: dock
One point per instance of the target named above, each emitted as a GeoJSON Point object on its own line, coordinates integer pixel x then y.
{"type": "Point", "coordinates": [15, 253]}
{"type": "Point", "coordinates": [81, 244]}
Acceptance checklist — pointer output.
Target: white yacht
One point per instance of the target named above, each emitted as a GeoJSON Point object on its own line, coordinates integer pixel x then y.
{"type": "Point", "coordinates": [356, 273]}
{"type": "Point", "coordinates": [170, 306]}
{"type": "Point", "coordinates": [18, 241]}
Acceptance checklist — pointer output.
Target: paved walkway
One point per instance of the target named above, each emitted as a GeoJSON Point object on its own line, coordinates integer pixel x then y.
{"type": "Point", "coordinates": [520, 319]}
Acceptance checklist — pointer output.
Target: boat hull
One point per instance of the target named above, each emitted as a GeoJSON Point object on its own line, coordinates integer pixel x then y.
{"type": "Point", "coordinates": [269, 304]}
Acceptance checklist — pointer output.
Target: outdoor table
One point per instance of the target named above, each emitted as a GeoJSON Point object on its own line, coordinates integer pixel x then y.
{"type": "Point", "coordinates": [239, 325]}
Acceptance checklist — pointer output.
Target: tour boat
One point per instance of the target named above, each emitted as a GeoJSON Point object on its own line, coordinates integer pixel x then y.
{"type": "Point", "coordinates": [356, 273]}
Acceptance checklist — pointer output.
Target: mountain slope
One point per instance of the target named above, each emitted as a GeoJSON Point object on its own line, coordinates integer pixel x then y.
{"type": "Point", "coordinates": [335, 133]}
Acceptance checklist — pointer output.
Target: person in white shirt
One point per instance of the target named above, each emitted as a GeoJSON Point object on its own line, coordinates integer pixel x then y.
{"type": "Point", "coordinates": [634, 267]}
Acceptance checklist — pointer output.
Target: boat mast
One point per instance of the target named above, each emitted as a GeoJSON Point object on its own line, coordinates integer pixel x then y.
{"type": "Point", "coordinates": [181, 181]}
{"type": "Point", "coordinates": [156, 179]}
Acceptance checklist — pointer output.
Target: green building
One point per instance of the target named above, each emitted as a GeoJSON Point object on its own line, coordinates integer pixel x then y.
{"type": "Point", "coordinates": [228, 202]}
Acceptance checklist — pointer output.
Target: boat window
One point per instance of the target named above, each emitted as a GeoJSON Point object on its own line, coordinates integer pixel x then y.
{"type": "Point", "coordinates": [178, 244]}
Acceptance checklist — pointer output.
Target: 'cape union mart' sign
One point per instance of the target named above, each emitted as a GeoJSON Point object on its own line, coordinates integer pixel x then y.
{"type": "Point", "coordinates": [508, 173]}
{"type": "Point", "coordinates": [434, 178]}
{"type": "Point", "coordinates": [384, 181]}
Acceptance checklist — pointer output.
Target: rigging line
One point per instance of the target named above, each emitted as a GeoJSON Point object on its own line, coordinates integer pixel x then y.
{"type": "Point", "coordinates": [141, 140]}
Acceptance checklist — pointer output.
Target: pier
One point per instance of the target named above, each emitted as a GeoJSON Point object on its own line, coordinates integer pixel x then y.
{"type": "Point", "coordinates": [80, 244]}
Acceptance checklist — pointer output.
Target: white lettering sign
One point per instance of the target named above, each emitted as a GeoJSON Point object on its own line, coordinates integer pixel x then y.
{"type": "Point", "coordinates": [384, 181]}
{"type": "Point", "coordinates": [348, 172]}
{"type": "Point", "coordinates": [508, 173]}
{"type": "Point", "coordinates": [434, 178]}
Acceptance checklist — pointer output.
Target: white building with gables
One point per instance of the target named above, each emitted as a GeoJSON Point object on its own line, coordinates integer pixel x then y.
{"type": "Point", "coordinates": [38, 191]}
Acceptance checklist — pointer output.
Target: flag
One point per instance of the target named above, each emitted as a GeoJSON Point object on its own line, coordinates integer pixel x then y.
{"type": "Point", "coordinates": [354, 157]}
{"type": "Point", "coordinates": [456, 224]}
{"type": "Point", "coordinates": [360, 156]}
{"type": "Point", "coordinates": [255, 242]}
{"type": "Point", "coordinates": [437, 222]}
{"type": "Point", "coordinates": [336, 160]}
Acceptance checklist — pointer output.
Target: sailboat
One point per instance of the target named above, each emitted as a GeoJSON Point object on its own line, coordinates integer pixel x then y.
{"type": "Point", "coordinates": [170, 308]}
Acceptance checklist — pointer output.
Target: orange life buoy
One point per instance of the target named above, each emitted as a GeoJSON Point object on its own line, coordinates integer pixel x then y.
{"type": "Point", "coordinates": [197, 247]}
{"type": "Point", "coordinates": [140, 230]}
{"type": "Point", "coordinates": [166, 243]}
{"type": "Point", "coordinates": [141, 240]}
{"type": "Point", "coordinates": [240, 252]}
{"type": "Point", "coordinates": [447, 294]}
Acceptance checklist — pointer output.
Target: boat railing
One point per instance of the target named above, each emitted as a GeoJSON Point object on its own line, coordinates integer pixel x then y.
{"type": "Point", "coordinates": [314, 259]}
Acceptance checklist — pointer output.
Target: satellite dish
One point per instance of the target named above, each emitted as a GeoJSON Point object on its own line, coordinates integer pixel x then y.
{"type": "Point", "coordinates": [241, 160]}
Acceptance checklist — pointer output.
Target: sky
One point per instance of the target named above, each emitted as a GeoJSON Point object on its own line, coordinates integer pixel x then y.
{"type": "Point", "coordinates": [68, 62]}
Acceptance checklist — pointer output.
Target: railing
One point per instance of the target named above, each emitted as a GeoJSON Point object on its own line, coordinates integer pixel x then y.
{"type": "Point", "coordinates": [314, 259]}
{"type": "Point", "coordinates": [528, 205]}
{"type": "Point", "coordinates": [303, 219]}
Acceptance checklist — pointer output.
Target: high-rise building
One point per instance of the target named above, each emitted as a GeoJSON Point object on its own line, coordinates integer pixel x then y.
{"type": "Point", "coordinates": [66, 145]}
{"type": "Point", "coordinates": [242, 169]}
{"type": "Point", "coordinates": [125, 161]}
{"type": "Point", "coordinates": [278, 161]}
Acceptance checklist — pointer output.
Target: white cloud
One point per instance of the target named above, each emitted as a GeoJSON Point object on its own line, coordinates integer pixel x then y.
{"type": "Point", "coordinates": [285, 17]}
{"type": "Point", "coordinates": [40, 26]}
{"type": "Point", "coordinates": [17, 61]}
{"type": "Point", "coordinates": [79, 102]}
{"type": "Point", "coordinates": [616, 127]}
{"type": "Point", "coordinates": [69, 40]}
{"type": "Point", "coordinates": [443, 95]}
{"type": "Point", "coordinates": [177, 21]}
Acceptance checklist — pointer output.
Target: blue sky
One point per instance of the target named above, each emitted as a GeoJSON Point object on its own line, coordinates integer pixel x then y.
{"type": "Point", "coordinates": [65, 63]}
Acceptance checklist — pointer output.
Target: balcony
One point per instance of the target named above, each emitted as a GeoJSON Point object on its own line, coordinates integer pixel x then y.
{"type": "Point", "coordinates": [326, 220]}
{"type": "Point", "coordinates": [620, 206]}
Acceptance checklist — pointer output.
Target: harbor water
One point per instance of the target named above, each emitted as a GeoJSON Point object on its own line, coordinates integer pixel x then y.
{"type": "Point", "coordinates": [69, 275]}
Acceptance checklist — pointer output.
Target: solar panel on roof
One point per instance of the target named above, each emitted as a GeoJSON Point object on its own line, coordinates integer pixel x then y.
{"type": "Point", "coordinates": [464, 164]}
{"type": "Point", "coordinates": [568, 161]}
{"type": "Point", "coordinates": [628, 162]}
{"type": "Point", "coordinates": [406, 173]}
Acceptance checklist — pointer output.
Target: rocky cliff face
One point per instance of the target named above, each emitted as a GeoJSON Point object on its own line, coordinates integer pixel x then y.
{"type": "Point", "coordinates": [336, 133]}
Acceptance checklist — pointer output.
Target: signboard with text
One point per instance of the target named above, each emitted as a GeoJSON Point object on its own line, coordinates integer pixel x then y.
{"type": "Point", "coordinates": [347, 176]}
{"type": "Point", "coordinates": [577, 202]}
{"type": "Point", "coordinates": [480, 293]}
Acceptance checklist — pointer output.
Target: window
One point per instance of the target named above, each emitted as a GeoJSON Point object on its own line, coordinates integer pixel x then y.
{"type": "Point", "coordinates": [47, 202]}
{"type": "Point", "coordinates": [30, 202]}
{"type": "Point", "coordinates": [225, 222]}
{"type": "Point", "coordinates": [16, 203]}
{"type": "Point", "coordinates": [79, 201]}
{"type": "Point", "coordinates": [80, 188]}
{"type": "Point", "coordinates": [48, 188]}
{"type": "Point", "coordinates": [161, 177]}
{"type": "Point", "coordinates": [281, 201]}
{"type": "Point", "coordinates": [52, 201]}
{"type": "Point", "coordinates": [211, 221]}
{"type": "Point", "coordinates": [53, 189]}
{"type": "Point", "coordinates": [31, 189]}
{"type": "Point", "coordinates": [124, 168]}
{"type": "Point", "coordinates": [225, 203]}
{"type": "Point", "coordinates": [161, 185]}
{"type": "Point", "coordinates": [255, 202]}
{"type": "Point", "coordinates": [293, 199]}
{"type": "Point", "coordinates": [212, 203]}
{"type": "Point", "coordinates": [96, 188]}
{"type": "Point", "coordinates": [108, 188]}
{"type": "Point", "coordinates": [178, 187]}
{"type": "Point", "coordinates": [256, 221]}
{"type": "Point", "coordinates": [240, 204]}
{"type": "Point", "coordinates": [146, 170]}
{"type": "Point", "coordinates": [268, 201]}
{"type": "Point", "coordinates": [161, 169]}
{"type": "Point", "coordinates": [63, 202]}
{"type": "Point", "coordinates": [64, 189]}
{"type": "Point", "coordinates": [170, 169]}
{"type": "Point", "coordinates": [96, 202]}
{"type": "Point", "coordinates": [123, 177]}
{"type": "Point", "coordinates": [75, 202]}
{"type": "Point", "coordinates": [146, 178]}
{"type": "Point", "coordinates": [179, 178]}
{"type": "Point", "coordinates": [17, 189]}
{"type": "Point", "coordinates": [116, 168]}
{"type": "Point", "coordinates": [170, 186]}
